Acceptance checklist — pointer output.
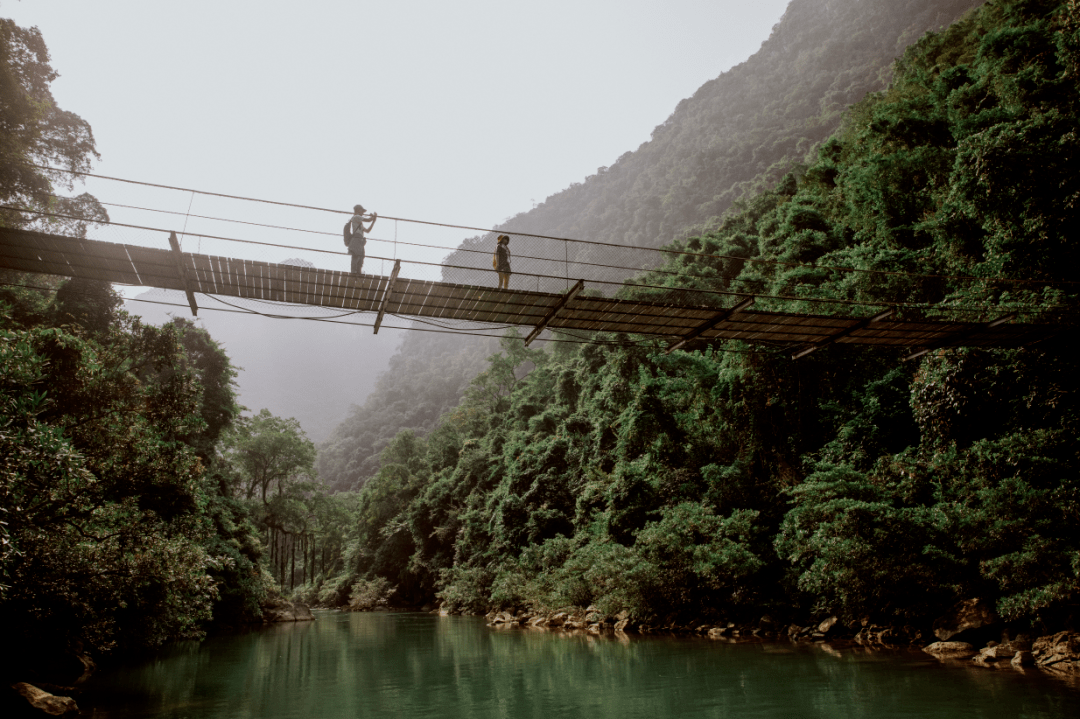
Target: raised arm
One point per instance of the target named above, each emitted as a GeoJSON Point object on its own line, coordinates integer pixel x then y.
{"type": "Point", "coordinates": [374, 216]}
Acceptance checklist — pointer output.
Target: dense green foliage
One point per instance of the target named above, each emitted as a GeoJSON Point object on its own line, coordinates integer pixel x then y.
{"type": "Point", "coordinates": [106, 502]}
{"type": "Point", "coordinates": [738, 133]}
{"type": "Point", "coordinates": [734, 480]}
{"type": "Point", "coordinates": [119, 527]}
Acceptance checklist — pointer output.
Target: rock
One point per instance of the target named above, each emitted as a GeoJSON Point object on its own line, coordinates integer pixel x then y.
{"type": "Point", "coordinates": [829, 626]}
{"type": "Point", "coordinates": [717, 632]}
{"type": "Point", "coordinates": [1060, 651]}
{"type": "Point", "coordinates": [48, 703]}
{"type": "Point", "coordinates": [276, 609]}
{"type": "Point", "coordinates": [951, 650]}
{"type": "Point", "coordinates": [995, 653]}
{"type": "Point", "coordinates": [594, 617]}
{"type": "Point", "coordinates": [626, 626]}
{"type": "Point", "coordinates": [1023, 659]}
{"type": "Point", "coordinates": [970, 620]}
{"type": "Point", "coordinates": [557, 620]}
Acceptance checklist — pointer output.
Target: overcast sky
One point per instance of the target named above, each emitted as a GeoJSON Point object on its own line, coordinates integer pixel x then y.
{"type": "Point", "coordinates": [463, 112]}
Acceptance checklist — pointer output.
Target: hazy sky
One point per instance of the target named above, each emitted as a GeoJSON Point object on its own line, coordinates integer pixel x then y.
{"type": "Point", "coordinates": [463, 112]}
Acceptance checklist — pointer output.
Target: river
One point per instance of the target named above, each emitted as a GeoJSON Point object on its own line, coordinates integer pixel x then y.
{"type": "Point", "coordinates": [421, 665]}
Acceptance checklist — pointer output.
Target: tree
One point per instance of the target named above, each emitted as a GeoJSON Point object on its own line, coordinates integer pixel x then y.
{"type": "Point", "coordinates": [102, 500]}
{"type": "Point", "coordinates": [267, 451]}
{"type": "Point", "coordinates": [34, 132]}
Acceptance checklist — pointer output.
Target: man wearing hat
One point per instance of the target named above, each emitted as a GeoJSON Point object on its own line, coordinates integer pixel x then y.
{"type": "Point", "coordinates": [354, 235]}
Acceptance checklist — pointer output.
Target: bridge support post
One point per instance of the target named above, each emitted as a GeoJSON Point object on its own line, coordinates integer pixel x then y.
{"type": "Point", "coordinates": [182, 273]}
{"type": "Point", "coordinates": [709, 324]}
{"type": "Point", "coordinates": [386, 295]}
{"type": "Point", "coordinates": [578, 287]}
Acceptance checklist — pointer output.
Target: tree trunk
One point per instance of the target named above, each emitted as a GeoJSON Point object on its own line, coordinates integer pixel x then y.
{"type": "Point", "coordinates": [292, 571]}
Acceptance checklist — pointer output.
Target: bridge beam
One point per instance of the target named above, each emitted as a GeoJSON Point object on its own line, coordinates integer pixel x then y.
{"type": "Point", "coordinates": [709, 324]}
{"type": "Point", "coordinates": [386, 295]}
{"type": "Point", "coordinates": [959, 336]}
{"type": "Point", "coordinates": [578, 287]}
{"type": "Point", "coordinates": [182, 273]}
{"type": "Point", "coordinates": [844, 333]}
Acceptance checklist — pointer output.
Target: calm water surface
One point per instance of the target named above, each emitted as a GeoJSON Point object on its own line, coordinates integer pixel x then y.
{"type": "Point", "coordinates": [419, 665]}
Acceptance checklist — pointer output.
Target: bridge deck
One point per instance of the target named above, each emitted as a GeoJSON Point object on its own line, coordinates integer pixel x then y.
{"type": "Point", "coordinates": [111, 262]}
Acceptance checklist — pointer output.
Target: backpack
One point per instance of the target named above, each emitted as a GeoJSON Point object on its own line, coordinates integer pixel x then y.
{"type": "Point", "coordinates": [348, 232]}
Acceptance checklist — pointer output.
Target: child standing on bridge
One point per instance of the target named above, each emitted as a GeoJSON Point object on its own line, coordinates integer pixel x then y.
{"type": "Point", "coordinates": [354, 235]}
{"type": "Point", "coordinates": [501, 261]}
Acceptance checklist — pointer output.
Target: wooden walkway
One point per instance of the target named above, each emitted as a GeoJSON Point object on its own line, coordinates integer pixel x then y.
{"type": "Point", "coordinates": [680, 325]}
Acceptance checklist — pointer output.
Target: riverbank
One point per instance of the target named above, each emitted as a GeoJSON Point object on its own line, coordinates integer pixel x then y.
{"type": "Point", "coordinates": [959, 638]}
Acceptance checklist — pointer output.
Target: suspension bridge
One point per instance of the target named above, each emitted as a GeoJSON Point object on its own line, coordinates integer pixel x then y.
{"type": "Point", "coordinates": [679, 324]}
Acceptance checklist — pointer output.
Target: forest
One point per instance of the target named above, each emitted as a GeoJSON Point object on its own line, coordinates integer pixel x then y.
{"type": "Point", "coordinates": [140, 504]}
{"type": "Point", "coordinates": [730, 481]}
{"type": "Point", "coordinates": [734, 138]}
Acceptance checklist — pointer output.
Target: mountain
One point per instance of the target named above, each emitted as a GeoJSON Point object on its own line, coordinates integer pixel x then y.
{"type": "Point", "coordinates": [738, 134]}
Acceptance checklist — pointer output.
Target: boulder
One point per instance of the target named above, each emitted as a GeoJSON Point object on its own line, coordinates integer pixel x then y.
{"type": "Point", "coordinates": [995, 653]}
{"type": "Point", "coordinates": [972, 620]}
{"type": "Point", "coordinates": [1023, 659]}
{"type": "Point", "coordinates": [829, 626]}
{"type": "Point", "coordinates": [626, 625]}
{"type": "Point", "coordinates": [46, 702]}
{"type": "Point", "coordinates": [1060, 651]}
{"type": "Point", "coordinates": [557, 620]}
{"type": "Point", "coordinates": [276, 609]}
{"type": "Point", "coordinates": [951, 650]}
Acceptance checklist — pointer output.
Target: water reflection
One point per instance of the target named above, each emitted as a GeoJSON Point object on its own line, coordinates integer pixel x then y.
{"type": "Point", "coordinates": [417, 665]}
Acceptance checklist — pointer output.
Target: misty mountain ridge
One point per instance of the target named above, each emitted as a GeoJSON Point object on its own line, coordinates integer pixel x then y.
{"type": "Point", "coordinates": [738, 134]}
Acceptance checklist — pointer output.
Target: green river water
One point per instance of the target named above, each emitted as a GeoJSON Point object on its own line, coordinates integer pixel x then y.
{"type": "Point", "coordinates": [421, 665]}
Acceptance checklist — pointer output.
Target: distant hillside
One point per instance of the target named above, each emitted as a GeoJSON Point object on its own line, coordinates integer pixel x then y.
{"type": "Point", "coordinates": [747, 127]}
{"type": "Point", "coordinates": [739, 132]}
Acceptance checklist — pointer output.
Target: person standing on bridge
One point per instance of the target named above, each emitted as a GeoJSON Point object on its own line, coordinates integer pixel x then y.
{"type": "Point", "coordinates": [501, 261]}
{"type": "Point", "coordinates": [354, 235]}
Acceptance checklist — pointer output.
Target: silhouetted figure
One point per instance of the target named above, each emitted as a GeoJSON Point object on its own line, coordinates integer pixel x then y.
{"type": "Point", "coordinates": [501, 261]}
{"type": "Point", "coordinates": [354, 235]}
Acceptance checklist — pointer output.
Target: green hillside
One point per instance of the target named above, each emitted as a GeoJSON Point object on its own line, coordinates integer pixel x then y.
{"type": "Point", "coordinates": [737, 481]}
{"type": "Point", "coordinates": [738, 132]}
